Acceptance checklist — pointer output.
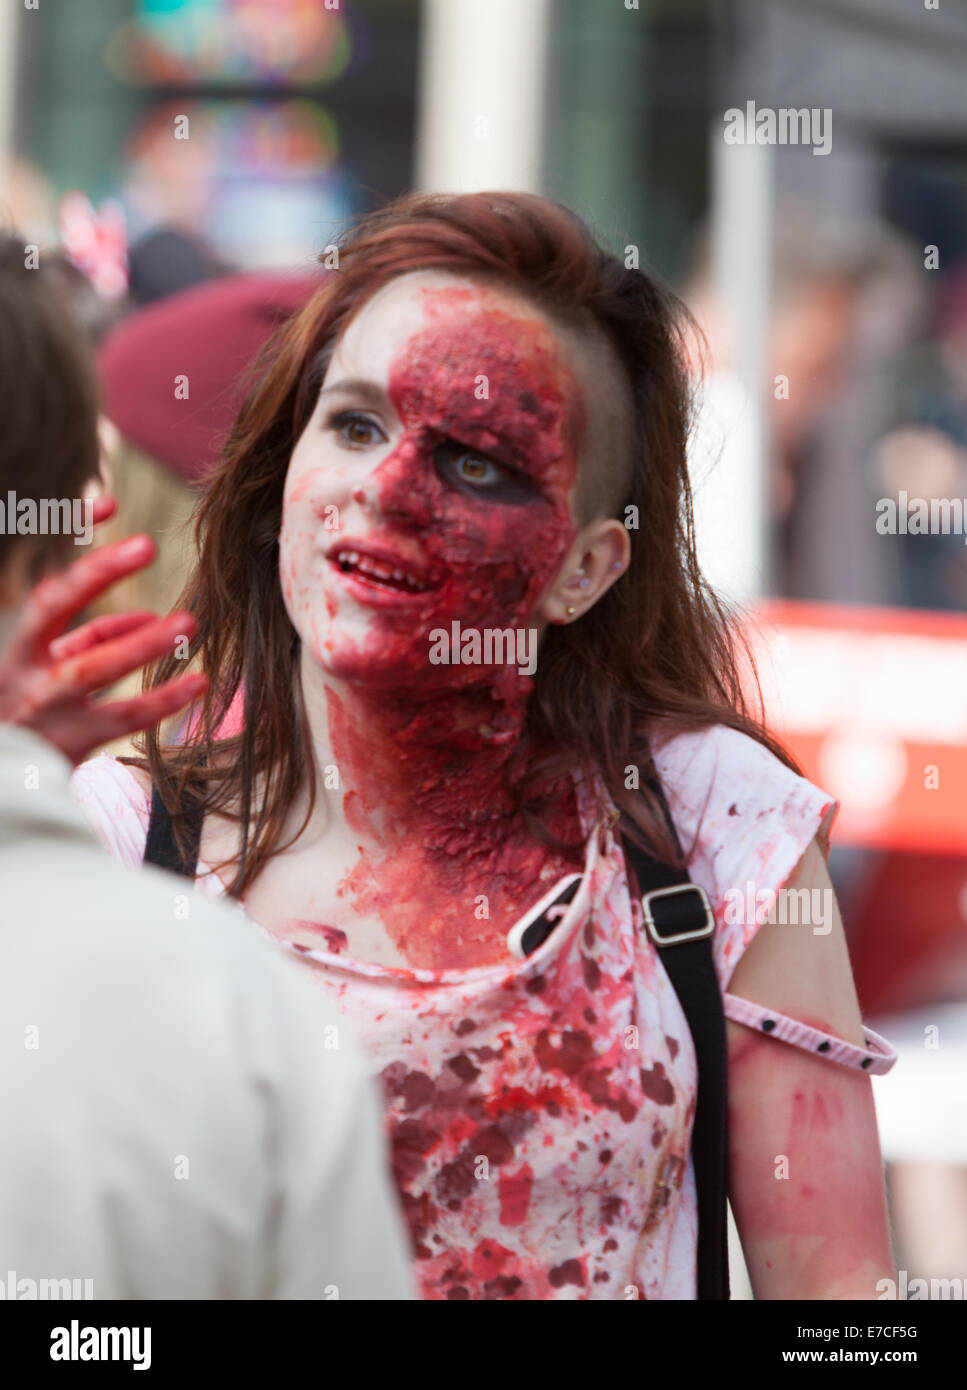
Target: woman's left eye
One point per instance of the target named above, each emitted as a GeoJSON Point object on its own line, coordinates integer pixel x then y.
{"type": "Point", "coordinates": [476, 470]}
{"type": "Point", "coordinates": [476, 473]}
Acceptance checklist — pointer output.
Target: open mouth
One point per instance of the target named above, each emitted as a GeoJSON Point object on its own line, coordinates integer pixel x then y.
{"type": "Point", "coordinates": [371, 571]}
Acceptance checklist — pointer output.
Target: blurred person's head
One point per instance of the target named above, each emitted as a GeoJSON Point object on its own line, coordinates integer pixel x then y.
{"type": "Point", "coordinates": [49, 447]}
{"type": "Point", "coordinates": [845, 296]}
{"type": "Point", "coordinates": [173, 374]}
{"type": "Point", "coordinates": [161, 442]}
{"type": "Point", "coordinates": [164, 437]}
{"type": "Point", "coordinates": [166, 260]}
{"type": "Point", "coordinates": [525, 401]}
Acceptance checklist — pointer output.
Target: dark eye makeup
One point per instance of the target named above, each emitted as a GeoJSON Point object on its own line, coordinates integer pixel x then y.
{"type": "Point", "coordinates": [454, 461]}
{"type": "Point", "coordinates": [500, 482]}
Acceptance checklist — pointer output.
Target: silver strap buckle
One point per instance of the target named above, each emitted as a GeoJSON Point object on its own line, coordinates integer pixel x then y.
{"type": "Point", "coordinates": [695, 935]}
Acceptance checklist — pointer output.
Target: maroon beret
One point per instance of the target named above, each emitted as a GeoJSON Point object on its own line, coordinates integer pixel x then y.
{"type": "Point", "coordinates": [208, 334]}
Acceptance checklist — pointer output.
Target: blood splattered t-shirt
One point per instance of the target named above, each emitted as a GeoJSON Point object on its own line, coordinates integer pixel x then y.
{"type": "Point", "coordinates": [539, 1112]}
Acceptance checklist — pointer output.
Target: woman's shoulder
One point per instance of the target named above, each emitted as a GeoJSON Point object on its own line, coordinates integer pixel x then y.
{"type": "Point", "coordinates": [712, 744]}
{"type": "Point", "coordinates": [115, 799]}
{"type": "Point", "coordinates": [745, 818]}
{"type": "Point", "coordinates": [723, 771]}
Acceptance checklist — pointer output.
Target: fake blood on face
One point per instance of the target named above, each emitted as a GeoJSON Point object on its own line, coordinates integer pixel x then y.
{"type": "Point", "coordinates": [480, 382]}
{"type": "Point", "coordinates": [431, 752]}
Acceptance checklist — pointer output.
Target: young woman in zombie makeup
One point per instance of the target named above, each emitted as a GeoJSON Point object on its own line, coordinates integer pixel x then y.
{"type": "Point", "coordinates": [481, 420]}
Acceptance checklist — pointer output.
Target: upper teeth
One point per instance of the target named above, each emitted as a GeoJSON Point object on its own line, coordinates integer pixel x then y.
{"type": "Point", "coordinates": [378, 571]}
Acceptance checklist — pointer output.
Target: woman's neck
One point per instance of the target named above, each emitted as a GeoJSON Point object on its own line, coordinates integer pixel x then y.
{"type": "Point", "coordinates": [438, 769]}
{"type": "Point", "coordinates": [427, 788]}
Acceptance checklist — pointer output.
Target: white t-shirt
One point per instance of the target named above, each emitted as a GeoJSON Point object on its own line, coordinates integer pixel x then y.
{"type": "Point", "coordinates": [540, 1111]}
{"type": "Point", "coordinates": [182, 1116]}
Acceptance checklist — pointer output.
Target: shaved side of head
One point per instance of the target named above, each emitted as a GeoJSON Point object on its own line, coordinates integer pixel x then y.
{"type": "Point", "coordinates": [607, 450]}
{"type": "Point", "coordinates": [606, 457]}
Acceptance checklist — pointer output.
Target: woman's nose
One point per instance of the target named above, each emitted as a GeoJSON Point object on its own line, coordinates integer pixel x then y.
{"type": "Point", "coordinates": [395, 486]}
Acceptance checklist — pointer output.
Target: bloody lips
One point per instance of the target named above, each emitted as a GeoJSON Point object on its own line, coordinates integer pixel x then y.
{"type": "Point", "coordinates": [374, 574]}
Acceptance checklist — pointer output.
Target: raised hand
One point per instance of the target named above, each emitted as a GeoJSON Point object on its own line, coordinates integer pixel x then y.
{"type": "Point", "coordinates": [47, 679]}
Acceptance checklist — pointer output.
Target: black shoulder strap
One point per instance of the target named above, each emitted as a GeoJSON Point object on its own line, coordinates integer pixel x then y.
{"type": "Point", "coordinates": [679, 921]}
{"type": "Point", "coordinates": [161, 849]}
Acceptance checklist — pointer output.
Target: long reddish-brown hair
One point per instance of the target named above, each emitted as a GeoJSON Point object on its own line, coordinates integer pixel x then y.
{"type": "Point", "coordinates": [657, 652]}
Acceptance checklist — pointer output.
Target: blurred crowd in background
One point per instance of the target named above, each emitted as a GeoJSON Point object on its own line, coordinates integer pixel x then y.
{"type": "Point", "coordinates": [189, 161]}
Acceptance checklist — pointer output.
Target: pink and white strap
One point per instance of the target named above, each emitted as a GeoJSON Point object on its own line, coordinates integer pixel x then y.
{"type": "Point", "coordinates": [876, 1058]}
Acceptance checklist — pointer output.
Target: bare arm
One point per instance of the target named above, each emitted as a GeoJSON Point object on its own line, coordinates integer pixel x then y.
{"type": "Point", "coordinates": [806, 1172]}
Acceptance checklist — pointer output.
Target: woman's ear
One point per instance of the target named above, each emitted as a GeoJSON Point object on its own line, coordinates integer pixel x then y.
{"type": "Point", "coordinates": [600, 555]}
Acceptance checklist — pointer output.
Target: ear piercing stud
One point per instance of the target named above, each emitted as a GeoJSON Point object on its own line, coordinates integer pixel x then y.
{"type": "Point", "coordinates": [570, 610]}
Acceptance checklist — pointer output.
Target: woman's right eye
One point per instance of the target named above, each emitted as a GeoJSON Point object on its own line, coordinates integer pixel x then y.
{"type": "Point", "coordinates": [356, 429]}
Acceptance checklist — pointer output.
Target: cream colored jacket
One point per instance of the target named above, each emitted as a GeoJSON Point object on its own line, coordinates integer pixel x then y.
{"type": "Point", "coordinates": [181, 1114]}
